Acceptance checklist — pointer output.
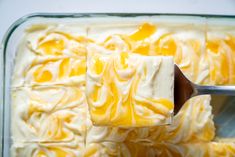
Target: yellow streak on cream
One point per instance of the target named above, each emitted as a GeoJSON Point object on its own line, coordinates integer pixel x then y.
{"type": "Point", "coordinates": [64, 66]}
{"type": "Point", "coordinates": [98, 66]}
{"type": "Point", "coordinates": [123, 59]}
{"type": "Point", "coordinates": [142, 49]}
{"type": "Point", "coordinates": [144, 31]}
{"type": "Point", "coordinates": [166, 45]}
{"type": "Point", "coordinates": [60, 153]}
{"type": "Point", "coordinates": [213, 46]}
{"type": "Point", "coordinates": [57, 132]}
{"type": "Point", "coordinates": [79, 69]}
{"type": "Point", "coordinates": [53, 47]}
{"type": "Point", "coordinates": [41, 154]}
{"type": "Point", "coordinates": [41, 75]}
{"type": "Point", "coordinates": [90, 151]}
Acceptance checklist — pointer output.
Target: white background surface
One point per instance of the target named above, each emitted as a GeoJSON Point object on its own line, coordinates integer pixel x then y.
{"type": "Point", "coordinates": [11, 10]}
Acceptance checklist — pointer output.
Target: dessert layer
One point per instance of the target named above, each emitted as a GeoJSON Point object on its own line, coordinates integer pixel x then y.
{"type": "Point", "coordinates": [55, 113]}
{"type": "Point", "coordinates": [126, 89]}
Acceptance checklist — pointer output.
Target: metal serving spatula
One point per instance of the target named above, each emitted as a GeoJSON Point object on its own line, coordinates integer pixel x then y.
{"type": "Point", "coordinates": [185, 89]}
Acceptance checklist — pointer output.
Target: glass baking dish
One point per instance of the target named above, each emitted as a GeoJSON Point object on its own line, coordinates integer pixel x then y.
{"type": "Point", "coordinates": [224, 117]}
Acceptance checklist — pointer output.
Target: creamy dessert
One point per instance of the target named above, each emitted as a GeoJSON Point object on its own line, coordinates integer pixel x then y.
{"type": "Point", "coordinates": [50, 115]}
{"type": "Point", "coordinates": [55, 113]}
{"type": "Point", "coordinates": [72, 149]}
{"type": "Point", "coordinates": [220, 50]}
{"type": "Point", "coordinates": [184, 41]}
{"type": "Point", "coordinates": [128, 149]}
{"type": "Point", "coordinates": [48, 56]}
{"type": "Point", "coordinates": [126, 89]}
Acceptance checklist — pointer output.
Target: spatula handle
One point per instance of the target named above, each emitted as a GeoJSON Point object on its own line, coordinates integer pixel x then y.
{"type": "Point", "coordinates": [217, 90]}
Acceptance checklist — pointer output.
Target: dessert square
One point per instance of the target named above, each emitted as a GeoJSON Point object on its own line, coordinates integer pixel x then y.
{"type": "Point", "coordinates": [50, 54]}
{"type": "Point", "coordinates": [72, 149]}
{"type": "Point", "coordinates": [220, 48]}
{"type": "Point", "coordinates": [125, 89]}
{"type": "Point", "coordinates": [48, 114]}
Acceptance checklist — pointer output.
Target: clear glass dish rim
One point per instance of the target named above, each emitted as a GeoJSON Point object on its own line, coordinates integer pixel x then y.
{"type": "Point", "coordinates": [18, 22]}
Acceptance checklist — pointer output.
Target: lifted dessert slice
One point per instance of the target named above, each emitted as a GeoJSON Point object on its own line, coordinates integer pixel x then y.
{"type": "Point", "coordinates": [125, 89]}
